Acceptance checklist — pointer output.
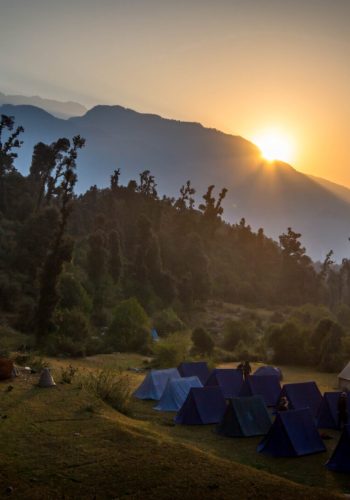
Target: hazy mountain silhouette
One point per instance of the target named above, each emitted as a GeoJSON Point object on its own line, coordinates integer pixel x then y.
{"type": "Point", "coordinates": [273, 196]}
{"type": "Point", "coordinates": [56, 108]}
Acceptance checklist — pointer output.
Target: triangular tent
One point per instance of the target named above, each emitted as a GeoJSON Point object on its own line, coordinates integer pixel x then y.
{"type": "Point", "coordinates": [229, 380]}
{"type": "Point", "coordinates": [268, 387]}
{"type": "Point", "coordinates": [154, 383]}
{"type": "Point", "coordinates": [46, 379]}
{"type": "Point", "coordinates": [340, 459]}
{"type": "Point", "coordinates": [327, 416]}
{"type": "Point", "coordinates": [195, 369]}
{"type": "Point", "coordinates": [245, 417]}
{"type": "Point", "coordinates": [292, 434]}
{"type": "Point", "coordinates": [303, 395]}
{"type": "Point", "coordinates": [344, 378]}
{"type": "Point", "coordinates": [154, 335]}
{"type": "Point", "coordinates": [176, 392]}
{"type": "Point", "coordinates": [205, 405]}
{"type": "Point", "coordinates": [268, 370]}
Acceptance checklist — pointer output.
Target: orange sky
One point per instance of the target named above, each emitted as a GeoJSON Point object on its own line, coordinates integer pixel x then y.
{"type": "Point", "coordinates": [237, 65]}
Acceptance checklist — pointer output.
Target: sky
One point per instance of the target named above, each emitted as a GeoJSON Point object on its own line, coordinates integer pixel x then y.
{"type": "Point", "coordinates": [241, 66]}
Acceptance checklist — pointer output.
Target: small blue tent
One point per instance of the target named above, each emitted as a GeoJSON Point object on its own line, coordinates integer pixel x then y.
{"type": "Point", "coordinates": [229, 380]}
{"type": "Point", "coordinates": [327, 416]}
{"type": "Point", "coordinates": [154, 335]}
{"type": "Point", "coordinates": [176, 392]}
{"type": "Point", "coordinates": [198, 369]}
{"type": "Point", "coordinates": [154, 383]}
{"type": "Point", "coordinates": [245, 417]}
{"type": "Point", "coordinates": [205, 405]}
{"type": "Point", "coordinates": [292, 434]}
{"type": "Point", "coordinates": [268, 370]}
{"type": "Point", "coordinates": [303, 395]}
{"type": "Point", "coordinates": [340, 459]}
{"type": "Point", "coordinates": [268, 387]}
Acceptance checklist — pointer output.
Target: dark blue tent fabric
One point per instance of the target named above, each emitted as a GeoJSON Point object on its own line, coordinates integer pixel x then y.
{"type": "Point", "coordinates": [268, 370]}
{"type": "Point", "coordinates": [229, 380]}
{"type": "Point", "coordinates": [176, 392]}
{"type": "Point", "coordinates": [204, 405]}
{"type": "Point", "coordinates": [292, 434]}
{"type": "Point", "coordinates": [196, 369]}
{"type": "Point", "coordinates": [303, 395]}
{"type": "Point", "coordinates": [340, 459]}
{"type": "Point", "coordinates": [268, 387]}
{"type": "Point", "coordinates": [327, 416]}
{"type": "Point", "coordinates": [245, 417]}
{"type": "Point", "coordinates": [154, 383]}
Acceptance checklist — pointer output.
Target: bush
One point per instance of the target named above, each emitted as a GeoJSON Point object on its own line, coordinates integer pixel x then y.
{"type": "Point", "coordinates": [129, 330]}
{"type": "Point", "coordinates": [60, 345]}
{"type": "Point", "coordinates": [235, 331]}
{"type": "Point", "coordinates": [167, 321]}
{"type": "Point", "coordinates": [72, 324]}
{"type": "Point", "coordinates": [113, 388]}
{"type": "Point", "coordinates": [343, 315]}
{"type": "Point", "coordinates": [67, 374]}
{"type": "Point", "coordinates": [202, 341]}
{"type": "Point", "coordinates": [11, 340]}
{"type": "Point", "coordinates": [171, 351]}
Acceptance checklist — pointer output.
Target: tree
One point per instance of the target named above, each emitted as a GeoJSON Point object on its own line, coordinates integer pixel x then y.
{"type": "Point", "coordinates": [186, 200]}
{"type": "Point", "coordinates": [129, 330]}
{"type": "Point", "coordinates": [8, 146]}
{"type": "Point", "coordinates": [202, 341]}
{"type": "Point", "coordinates": [115, 179]}
{"type": "Point", "coordinates": [114, 261]}
{"type": "Point", "coordinates": [147, 185]}
{"type": "Point", "coordinates": [212, 209]}
{"type": "Point", "coordinates": [61, 247]}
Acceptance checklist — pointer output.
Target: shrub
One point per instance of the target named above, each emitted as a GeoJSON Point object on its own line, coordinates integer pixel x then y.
{"type": "Point", "coordinates": [67, 374]}
{"type": "Point", "coordinates": [129, 330]}
{"type": "Point", "coordinates": [167, 321]}
{"type": "Point", "coordinates": [61, 345]}
{"type": "Point", "coordinates": [343, 315]}
{"type": "Point", "coordinates": [171, 351]}
{"type": "Point", "coordinates": [202, 341]}
{"type": "Point", "coordinates": [113, 388]}
{"type": "Point", "coordinates": [11, 340]}
{"type": "Point", "coordinates": [234, 331]}
{"type": "Point", "coordinates": [72, 324]}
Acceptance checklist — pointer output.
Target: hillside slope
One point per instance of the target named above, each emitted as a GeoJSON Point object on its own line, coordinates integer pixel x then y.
{"type": "Point", "coordinates": [63, 443]}
{"type": "Point", "coordinates": [273, 196]}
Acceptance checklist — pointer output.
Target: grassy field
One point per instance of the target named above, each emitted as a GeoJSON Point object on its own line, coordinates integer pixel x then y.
{"type": "Point", "coordinates": [65, 443]}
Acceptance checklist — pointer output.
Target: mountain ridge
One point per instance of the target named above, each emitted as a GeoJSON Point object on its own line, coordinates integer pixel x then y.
{"type": "Point", "coordinates": [270, 195]}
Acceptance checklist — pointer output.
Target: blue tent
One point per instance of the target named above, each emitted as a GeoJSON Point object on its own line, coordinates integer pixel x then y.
{"type": "Point", "coordinates": [292, 434]}
{"type": "Point", "coordinates": [268, 387]}
{"type": "Point", "coordinates": [176, 392]}
{"type": "Point", "coordinates": [340, 459]}
{"type": "Point", "coordinates": [245, 417]}
{"type": "Point", "coordinates": [198, 369]}
{"type": "Point", "coordinates": [154, 335]}
{"type": "Point", "coordinates": [154, 383]}
{"type": "Point", "coordinates": [205, 405]}
{"type": "Point", "coordinates": [327, 416]}
{"type": "Point", "coordinates": [303, 395]}
{"type": "Point", "coordinates": [230, 381]}
{"type": "Point", "coordinates": [268, 370]}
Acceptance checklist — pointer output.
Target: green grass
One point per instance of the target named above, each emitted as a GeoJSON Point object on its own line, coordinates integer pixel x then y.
{"type": "Point", "coordinates": [65, 442]}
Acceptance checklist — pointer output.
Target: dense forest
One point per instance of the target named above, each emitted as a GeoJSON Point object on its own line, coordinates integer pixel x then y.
{"type": "Point", "coordinates": [88, 270]}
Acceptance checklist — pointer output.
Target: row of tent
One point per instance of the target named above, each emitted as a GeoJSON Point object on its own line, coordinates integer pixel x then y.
{"type": "Point", "coordinates": [159, 385]}
{"type": "Point", "coordinates": [292, 433]}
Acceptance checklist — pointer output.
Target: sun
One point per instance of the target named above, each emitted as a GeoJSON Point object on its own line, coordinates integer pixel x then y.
{"type": "Point", "coordinates": [275, 145]}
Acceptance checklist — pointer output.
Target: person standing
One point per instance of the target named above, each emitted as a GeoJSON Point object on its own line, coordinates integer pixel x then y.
{"type": "Point", "coordinates": [342, 410]}
{"type": "Point", "coordinates": [247, 370]}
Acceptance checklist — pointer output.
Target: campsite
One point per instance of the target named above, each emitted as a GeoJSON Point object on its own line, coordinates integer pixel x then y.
{"type": "Point", "coordinates": [85, 432]}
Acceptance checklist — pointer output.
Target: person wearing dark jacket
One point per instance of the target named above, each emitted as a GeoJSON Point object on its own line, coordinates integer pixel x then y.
{"type": "Point", "coordinates": [247, 370]}
{"type": "Point", "coordinates": [342, 410]}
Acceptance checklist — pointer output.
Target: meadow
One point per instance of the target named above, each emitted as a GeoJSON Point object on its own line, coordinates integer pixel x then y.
{"type": "Point", "coordinates": [65, 442]}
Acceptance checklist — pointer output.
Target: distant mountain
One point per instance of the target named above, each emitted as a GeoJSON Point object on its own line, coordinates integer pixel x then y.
{"type": "Point", "coordinates": [272, 196]}
{"type": "Point", "coordinates": [56, 108]}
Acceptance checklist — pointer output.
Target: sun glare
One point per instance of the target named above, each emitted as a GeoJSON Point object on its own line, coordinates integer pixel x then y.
{"type": "Point", "coordinates": [275, 145]}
